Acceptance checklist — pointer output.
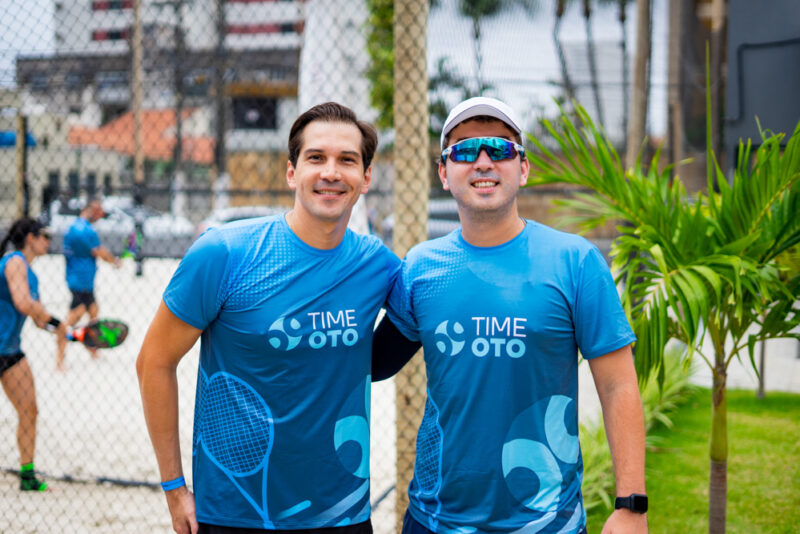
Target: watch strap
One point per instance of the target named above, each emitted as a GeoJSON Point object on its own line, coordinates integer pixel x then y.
{"type": "Point", "coordinates": [636, 502]}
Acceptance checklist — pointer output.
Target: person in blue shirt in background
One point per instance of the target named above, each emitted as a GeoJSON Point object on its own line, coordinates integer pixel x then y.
{"type": "Point", "coordinates": [82, 247]}
{"type": "Point", "coordinates": [19, 299]}
{"type": "Point", "coordinates": [501, 307]}
{"type": "Point", "coordinates": [285, 308]}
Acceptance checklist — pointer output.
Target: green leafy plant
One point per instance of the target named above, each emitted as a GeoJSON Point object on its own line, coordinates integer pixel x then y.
{"type": "Point", "coordinates": [658, 404]}
{"type": "Point", "coordinates": [691, 266]}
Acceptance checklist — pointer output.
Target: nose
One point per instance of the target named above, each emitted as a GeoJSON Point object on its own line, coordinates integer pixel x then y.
{"type": "Point", "coordinates": [330, 171]}
{"type": "Point", "coordinates": [484, 161]}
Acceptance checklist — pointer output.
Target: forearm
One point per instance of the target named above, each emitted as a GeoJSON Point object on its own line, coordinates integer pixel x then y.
{"type": "Point", "coordinates": [158, 385]}
{"type": "Point", "coordinates": [104, 254]}
{"type": "Point", "coordinates": [391, 350]}
{"type": "Point", "coordinates": [624, 423]}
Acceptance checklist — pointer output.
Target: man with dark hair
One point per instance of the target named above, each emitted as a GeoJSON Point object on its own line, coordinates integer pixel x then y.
{"type": "Point", "coordinates": [285, 308]}
{"type": "Point", "coordinates": [502, 306]}
{"type": "Point", "coordinates": [81, 248]}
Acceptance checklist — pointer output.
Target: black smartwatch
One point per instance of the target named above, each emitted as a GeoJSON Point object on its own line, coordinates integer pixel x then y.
{"type": "Point", "coordinates": [636, 502]}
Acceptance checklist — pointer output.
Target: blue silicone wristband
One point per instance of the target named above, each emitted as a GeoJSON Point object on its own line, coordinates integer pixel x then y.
{"type": "Point", "coordinates": [173, 484]}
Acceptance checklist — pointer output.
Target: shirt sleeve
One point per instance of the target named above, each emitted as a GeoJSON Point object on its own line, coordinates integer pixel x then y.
{"type": "Point", "coordinates": [399, 304]}
{"type": "Point", "coordinates": [92, 239]}
{"type": "Point", "coordinates": [196, 291]}
{"type": "Point", "coordinates": [600, 322]}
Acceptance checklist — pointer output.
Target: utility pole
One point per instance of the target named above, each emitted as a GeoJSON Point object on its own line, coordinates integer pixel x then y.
{"type": "Point", "coordinates": [179, 180]}
{"type": "Point", "coordinates": [219, 87]}
{"type": "Point", "coordinates": [411, 187]}
{"type": "Point", "coordinates": [137, 80]}
{"type": "Point", "coordinates": [22, 165]}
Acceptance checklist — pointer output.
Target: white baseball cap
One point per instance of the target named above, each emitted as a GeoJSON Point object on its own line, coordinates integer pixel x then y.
{"type": "Point", "coordinates": [477, 106]}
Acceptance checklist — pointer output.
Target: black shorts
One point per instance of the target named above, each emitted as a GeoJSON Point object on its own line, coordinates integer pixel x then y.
{"type": "Point", "coordinates": [360, 528]}
{"type": "Point", "coordinates": [81, 297]}
{"type": "Point", "coordinates": [7, 362]}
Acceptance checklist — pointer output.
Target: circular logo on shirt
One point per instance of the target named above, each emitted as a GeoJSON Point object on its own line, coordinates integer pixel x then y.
{"type": "Point", "coordinates": [281, 339]}
{"type": "Point", "coordinates": [449, 341]}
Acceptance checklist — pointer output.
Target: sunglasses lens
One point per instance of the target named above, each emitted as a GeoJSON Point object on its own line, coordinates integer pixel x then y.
{"type": "Point", "coordinates": [469, 149]}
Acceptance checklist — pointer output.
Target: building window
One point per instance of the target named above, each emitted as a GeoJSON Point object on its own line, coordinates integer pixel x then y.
{"type": "Point", "coordinates": [111, 35]}
{"type": "Point", "coordinates": [38, 82]}
{"type": "Point", "coordinates": [255, 113]}
{"type": "Point", "coordinates": [248, 29]}
{"type": "Point", "coordinates": [111, 5]}
{"type": "Point", "coordinates": [91, 183]}
{"type": "Point", "coordinates": [107, 184]}
{"type": "Point", "coordinates": [73, 182]}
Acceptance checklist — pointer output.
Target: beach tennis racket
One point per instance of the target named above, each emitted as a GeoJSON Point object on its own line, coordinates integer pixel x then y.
{"type": "Point", "coordinates": [100, 333]}
{"type": "Point", "coordinates": [237, 432]}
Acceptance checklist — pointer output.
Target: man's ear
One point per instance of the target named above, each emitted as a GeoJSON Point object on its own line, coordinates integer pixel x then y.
{"type": "Point", "coordinates": [443, 176]}
{"type": "Point", "coordinates": [367, 180]}
{"type": "Point", "coordinates": [290, 176]}
{"type": "Point", "coordinates": [525, 167]}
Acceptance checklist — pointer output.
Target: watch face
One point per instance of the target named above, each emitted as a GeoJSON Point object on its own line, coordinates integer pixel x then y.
{"type": "Point", "coordinates": [639, 503]}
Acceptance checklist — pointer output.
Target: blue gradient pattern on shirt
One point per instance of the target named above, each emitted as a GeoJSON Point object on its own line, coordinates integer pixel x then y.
{"type": "Point", "coordinates": [295, 323]}
{"type": "Point", "coordinates": [79, 242]}
{"type": "Point", "coordinates": [11, 320]}
{"type": "Point", "coordinates": [501, 328]}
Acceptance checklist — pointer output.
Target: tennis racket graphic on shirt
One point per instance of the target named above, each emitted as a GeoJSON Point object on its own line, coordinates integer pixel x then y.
{"type": "Point", "coordinates": [237, 433]}
{"type": "Point", "coordinates": [428, 466]}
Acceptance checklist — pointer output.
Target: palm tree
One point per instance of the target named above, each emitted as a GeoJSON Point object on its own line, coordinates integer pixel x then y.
{"type": "Point", "coordinates": [693, 267]}
{"type": "Point", "coordinates": [477, 10]}
{"type": "Point", "coordinates": [590, 52]}
{"type": "Point", "coordinates": [569, 89]}
{"type": "Point", "coordinates": [641, 81]}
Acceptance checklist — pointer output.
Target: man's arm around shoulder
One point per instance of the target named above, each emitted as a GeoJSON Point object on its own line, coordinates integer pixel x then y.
{"type": "Point", "coordinates": [618, 389]}
{"type": "Point", "coordinates": [167, 340]}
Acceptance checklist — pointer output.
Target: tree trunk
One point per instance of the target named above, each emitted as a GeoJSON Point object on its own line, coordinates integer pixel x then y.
{"type": "Point", "coordinates": [623, 43]}
{"type": "Point", "coordinates": [718, 482]}
{"type": "Point", "coordinates": [476, 36]}
{"type": "Point", "coordinates": [569, 90]}
{"type": "Point", "coordinates": [762, 368]}
{"type": "Point", "coordinates": [590, 52]}
{"type": "Point", "coordinates": [636, 130]}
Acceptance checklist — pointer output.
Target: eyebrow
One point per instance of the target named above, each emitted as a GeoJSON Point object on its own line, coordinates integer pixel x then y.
{"type": "Point", "coordinates": [312, 150]}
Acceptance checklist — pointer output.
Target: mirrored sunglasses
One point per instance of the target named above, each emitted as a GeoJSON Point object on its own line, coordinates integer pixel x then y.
{"type": "Point", "coordinates": [496, 147]}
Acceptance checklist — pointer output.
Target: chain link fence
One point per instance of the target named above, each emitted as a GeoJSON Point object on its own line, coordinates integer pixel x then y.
{"type": "Point", "coordinates": [176, 113]}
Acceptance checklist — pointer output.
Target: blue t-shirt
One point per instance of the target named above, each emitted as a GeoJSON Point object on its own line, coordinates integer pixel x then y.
{"type": "Point", "coordinates": [281, 435]}
{"type": "Point", "coordinates": [497, 449]}
{"type": "Point", "coordinates": [79, 242]}
{"type": "Point", "coordinates": [11, 320]}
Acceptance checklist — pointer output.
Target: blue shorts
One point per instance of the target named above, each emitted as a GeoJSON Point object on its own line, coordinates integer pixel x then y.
{"type": "Point", "coordinates": [412, 526]}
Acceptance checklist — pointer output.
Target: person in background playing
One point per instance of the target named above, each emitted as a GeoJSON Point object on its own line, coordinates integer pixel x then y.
{"type": "Point", "coordinates": [81, 248]}
{"type": "Point", "coordinates": [285, 308]}
{"type": "Point", "coordinates": [19, 299]}
{"type": "Point", "coordinates": [501, 307]}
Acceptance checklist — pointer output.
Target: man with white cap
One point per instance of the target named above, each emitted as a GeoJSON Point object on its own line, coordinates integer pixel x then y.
{"type": "Point", "coordinates": [501, 307]}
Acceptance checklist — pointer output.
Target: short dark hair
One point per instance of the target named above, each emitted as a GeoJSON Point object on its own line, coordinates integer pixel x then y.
{"type": "Point", "coordinates": [485, 119]}
{"type": "Point", "coordinates": [19, 231]}
{"type": "Point", "coordinates": [332, 112]}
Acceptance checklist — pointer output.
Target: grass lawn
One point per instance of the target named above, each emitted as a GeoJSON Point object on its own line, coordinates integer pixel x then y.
{"type": "Point", "coordinates": [763, 467]}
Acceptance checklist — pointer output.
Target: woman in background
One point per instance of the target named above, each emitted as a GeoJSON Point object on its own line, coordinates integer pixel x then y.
{"type": "Point", "coordinates": [19, 299]}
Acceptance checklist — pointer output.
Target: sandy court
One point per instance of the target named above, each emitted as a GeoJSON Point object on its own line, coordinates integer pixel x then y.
{"type": "Point", "coordinates": [91, 424]}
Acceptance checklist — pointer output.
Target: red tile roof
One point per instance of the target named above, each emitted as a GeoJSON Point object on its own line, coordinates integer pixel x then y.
{"type": "Point", "coordinates": [158, 137]}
